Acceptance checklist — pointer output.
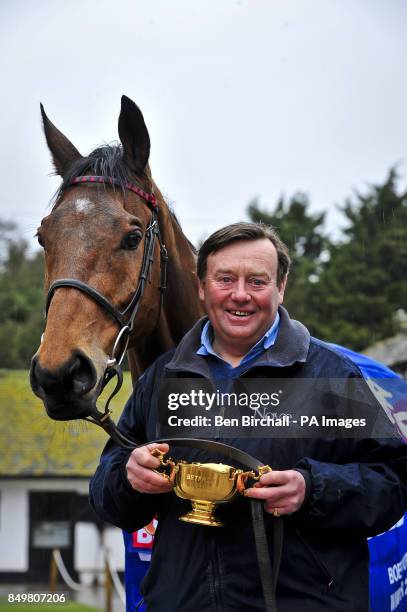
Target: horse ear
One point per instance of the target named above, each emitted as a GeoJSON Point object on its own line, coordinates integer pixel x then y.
{"type": "Point", "coordinates": [134, 136]}
{"type": "Point", "coordinates": [64, 154]}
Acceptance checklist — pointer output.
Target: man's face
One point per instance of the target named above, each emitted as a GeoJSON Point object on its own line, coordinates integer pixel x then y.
{"type": "Point", "coordinates": [240, 292]}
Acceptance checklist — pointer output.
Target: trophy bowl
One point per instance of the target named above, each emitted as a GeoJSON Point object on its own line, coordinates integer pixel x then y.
{"type": "Point", "coordinates": [206, 485]}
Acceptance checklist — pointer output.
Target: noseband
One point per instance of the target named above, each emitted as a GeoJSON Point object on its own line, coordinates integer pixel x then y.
{"type": "Point", "coordinates": [125, 318]}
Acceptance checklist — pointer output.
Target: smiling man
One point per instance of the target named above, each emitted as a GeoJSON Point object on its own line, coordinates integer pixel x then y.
{"type": "Point", "coordinates": [242, 287]}
{"type": "Point", "coordinates": [331, 493]}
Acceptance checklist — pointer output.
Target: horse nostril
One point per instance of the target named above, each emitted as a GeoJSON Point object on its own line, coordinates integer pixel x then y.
{"type": "Point", "coordinates": [76, 376]}
{"type": "Point", "coordinates": [81, 375]}
{"type": "Point", "coordinates": [35, 384]}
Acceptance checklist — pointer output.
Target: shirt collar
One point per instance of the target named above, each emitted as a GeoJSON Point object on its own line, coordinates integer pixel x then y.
{"type": "Point", "coordinates": [263, 344]}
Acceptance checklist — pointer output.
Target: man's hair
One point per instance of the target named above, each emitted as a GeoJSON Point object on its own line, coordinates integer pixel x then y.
{"type": "Point", "coordinates": [244, 231]}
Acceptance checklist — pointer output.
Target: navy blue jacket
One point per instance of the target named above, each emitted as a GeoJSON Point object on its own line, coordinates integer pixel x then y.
{"type": "Point", "coordinates": [356, 488]}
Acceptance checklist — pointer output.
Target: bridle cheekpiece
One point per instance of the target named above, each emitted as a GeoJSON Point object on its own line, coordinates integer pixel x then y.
{"type": "Point", "coordinates": [125, 318]}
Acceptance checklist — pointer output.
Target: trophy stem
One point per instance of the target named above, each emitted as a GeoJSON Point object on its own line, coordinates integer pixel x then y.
{"type": "Point", "coordinates": [202, 514]}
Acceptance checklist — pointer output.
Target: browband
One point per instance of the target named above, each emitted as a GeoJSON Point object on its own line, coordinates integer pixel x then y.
{"type": "Point", "coordinates": [108, 180]}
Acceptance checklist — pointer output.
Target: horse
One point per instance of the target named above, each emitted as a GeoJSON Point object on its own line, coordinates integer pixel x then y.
{"type": "Point", "coordinates": [119, 272]}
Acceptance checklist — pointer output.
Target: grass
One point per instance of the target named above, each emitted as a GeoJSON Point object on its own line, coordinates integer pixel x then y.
{"type": "Point", "coordinates": [70, 606]}
{"type": "Point", "coordinates": [32, 444]}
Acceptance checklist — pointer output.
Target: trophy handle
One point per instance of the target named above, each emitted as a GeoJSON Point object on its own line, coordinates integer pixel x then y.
{"type": "Point", "coordinates": [165, 463]}
{"type": "Point", "coordinates": [243, 477]}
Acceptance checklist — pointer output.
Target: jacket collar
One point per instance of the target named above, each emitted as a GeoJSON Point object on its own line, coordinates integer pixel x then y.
{"type": "Point", "coordinates": [291, 346]}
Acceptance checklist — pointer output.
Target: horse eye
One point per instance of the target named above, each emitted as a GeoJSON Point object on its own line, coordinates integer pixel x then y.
{"type": "Point", "coordinates": [40, 241]}
{"type": "Point", "coordinates": [131, 241]}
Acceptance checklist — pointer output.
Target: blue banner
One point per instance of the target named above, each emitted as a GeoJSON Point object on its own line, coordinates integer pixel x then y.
{"type": "Point", "coordinates": [138, 546]}
{"type": "Point", "coordinates": [388, 569]}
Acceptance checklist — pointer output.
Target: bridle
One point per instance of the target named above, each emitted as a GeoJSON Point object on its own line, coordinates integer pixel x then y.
{"type": "Point", "coordinates": [126, 317]}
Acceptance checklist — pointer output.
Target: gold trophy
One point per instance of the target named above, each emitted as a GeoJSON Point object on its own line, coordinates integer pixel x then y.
{"type": "Point", "coordinates": [206, 485]}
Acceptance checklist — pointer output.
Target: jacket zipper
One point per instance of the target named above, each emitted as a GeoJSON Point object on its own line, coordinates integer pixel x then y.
{"type": "Point", "coordinates": [330, 581]}
{"type": "Point", "coordinates": [215, 574]}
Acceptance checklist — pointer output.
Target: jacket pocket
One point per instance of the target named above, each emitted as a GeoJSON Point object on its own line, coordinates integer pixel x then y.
{"type": "Point", "coordinates": [327, 580]}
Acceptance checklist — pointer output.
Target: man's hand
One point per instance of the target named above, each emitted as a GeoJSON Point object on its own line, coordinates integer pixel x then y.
{"type": "Point", "coordinates": [140, 474]}
{"type": "Point", "coordinates": [283, 492]}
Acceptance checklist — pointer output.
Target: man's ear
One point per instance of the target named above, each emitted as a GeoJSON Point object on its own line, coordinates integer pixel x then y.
{"type": "Point", "coordinates": [281, 290]}
{"type": "Point", "coordinates": [201, 290]}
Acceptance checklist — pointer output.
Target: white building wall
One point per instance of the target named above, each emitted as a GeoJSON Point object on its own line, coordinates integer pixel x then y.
{"type": "Point", "coordinates": [88, 553]}
{"type": "Point", "coordinates": [14, 525]}
{"type": "Point", "coordinates": [14, 516]}
{"type": "Point", "coordinates": [113, 540]}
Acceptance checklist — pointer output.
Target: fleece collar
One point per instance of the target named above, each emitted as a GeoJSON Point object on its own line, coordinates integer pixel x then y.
{"type": "Point", "coordinates": [291, 347]}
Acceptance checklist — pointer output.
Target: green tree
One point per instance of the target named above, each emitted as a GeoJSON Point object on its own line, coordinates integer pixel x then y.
{"type": "Point", "coordinates": [303, 234]}
{"type": "Point", "coordinates": [365, 280]}
{"type": "Point", "coordinates": [21, 299]}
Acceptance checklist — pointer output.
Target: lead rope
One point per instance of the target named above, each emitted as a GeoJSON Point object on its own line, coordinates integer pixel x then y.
{"type": "Point", "coordinates": [268, 571]}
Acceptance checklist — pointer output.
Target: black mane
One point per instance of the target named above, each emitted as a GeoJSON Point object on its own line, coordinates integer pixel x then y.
{"type": "Point", "coordinates": [106, 160]}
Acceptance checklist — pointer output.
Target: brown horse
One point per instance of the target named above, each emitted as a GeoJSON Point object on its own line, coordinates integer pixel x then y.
{"type": "Point", "coordinates": [106, 243]}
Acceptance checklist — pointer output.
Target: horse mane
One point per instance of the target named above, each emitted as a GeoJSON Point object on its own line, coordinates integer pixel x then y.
{"type": "Point", "coordinates": [106, 160]}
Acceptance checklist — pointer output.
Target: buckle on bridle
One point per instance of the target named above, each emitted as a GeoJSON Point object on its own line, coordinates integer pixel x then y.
{"type": "Point", "coordinates": [113, 359]}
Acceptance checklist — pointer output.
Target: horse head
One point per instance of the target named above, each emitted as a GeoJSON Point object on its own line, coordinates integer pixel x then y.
{"type": "Point", "coordinates": [105, 243]}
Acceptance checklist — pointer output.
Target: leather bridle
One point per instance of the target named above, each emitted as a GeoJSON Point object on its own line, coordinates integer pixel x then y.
{"type": "Point", "coordinates": [125, 319]}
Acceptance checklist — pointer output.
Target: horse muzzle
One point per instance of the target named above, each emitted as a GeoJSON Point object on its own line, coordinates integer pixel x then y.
{"type": "Point", "coordinates": [68, 392]}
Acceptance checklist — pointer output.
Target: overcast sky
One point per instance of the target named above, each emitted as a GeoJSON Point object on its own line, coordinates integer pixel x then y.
{"type": "Point", "coordinates": [241, 98]}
